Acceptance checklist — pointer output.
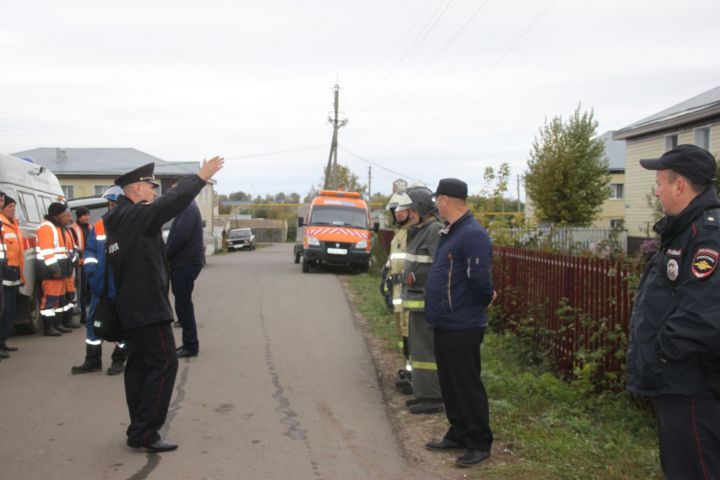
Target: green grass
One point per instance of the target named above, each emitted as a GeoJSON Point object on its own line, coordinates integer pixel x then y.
{"type": "Point", "coordinates": [554, 429]}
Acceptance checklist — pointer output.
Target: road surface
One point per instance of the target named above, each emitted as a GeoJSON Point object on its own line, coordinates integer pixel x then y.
{"type": "Point", "coordinates": [283, 388]}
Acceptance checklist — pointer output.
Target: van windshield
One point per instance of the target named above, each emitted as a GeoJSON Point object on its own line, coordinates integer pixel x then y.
{"type": "Point", "coordinates": [339, 216]}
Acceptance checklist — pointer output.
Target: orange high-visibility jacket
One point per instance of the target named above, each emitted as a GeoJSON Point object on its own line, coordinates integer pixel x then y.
{"type": "Point", "coordinates": [55, 249]}
{"type": "Point", "coordinates": [14, 249]}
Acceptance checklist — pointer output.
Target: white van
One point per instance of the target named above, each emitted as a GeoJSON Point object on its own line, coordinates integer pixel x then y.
{"type": "Point", "coordinates": [34, 188]}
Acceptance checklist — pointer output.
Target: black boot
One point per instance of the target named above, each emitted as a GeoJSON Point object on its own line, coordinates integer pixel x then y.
{"type": "Point", "coordinates": [118, 361]}
{"type": "Point", "coordinates": [48, 329]}
{"type": "Point", "coordinates": [93, 360]}
{"type": "Point", "coordinates": [67, 320]}
{"type": "Point", "coordinates": [58, 323]}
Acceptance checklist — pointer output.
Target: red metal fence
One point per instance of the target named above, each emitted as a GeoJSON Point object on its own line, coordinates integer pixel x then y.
{"type": "Point", "coordinates": [533, 287]}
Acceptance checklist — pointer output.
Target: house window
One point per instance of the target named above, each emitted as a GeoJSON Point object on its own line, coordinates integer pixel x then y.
{"type": "Point", "coordinates": [616, 191]}
{"type": "Point", "coordinates": [702, 137]}
{"type": "Point", "coordinates": [671, 141]}
{"type": "Point", "coordinates": [100, 189]}
{"type": "Point", "coordinates": [68, 191]}
{"type": "Point", "coordinates": [617, 223]}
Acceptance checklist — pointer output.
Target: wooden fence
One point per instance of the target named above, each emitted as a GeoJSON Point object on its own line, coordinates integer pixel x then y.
{"type": "Point", "coordinates": [533, 287]}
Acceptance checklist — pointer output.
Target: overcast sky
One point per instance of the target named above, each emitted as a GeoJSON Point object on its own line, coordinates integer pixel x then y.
{"type": "Point", "coordinates": [431, 88]}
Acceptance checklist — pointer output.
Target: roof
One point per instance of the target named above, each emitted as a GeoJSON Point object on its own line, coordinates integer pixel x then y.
{"type": "Point", "coordinates": [614, 151]}
{"type": "Point", "coordinates": [103, 161]}
{"type": "Point", "coordinates": [695, 109]}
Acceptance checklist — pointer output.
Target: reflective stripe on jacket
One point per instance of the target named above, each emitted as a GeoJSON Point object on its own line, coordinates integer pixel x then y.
{"type": "Point", "coordinates": [397, 265]}
{"type": "Point", "coordinates": [14, 253]}
{"type": "Point", "coordinates": [55, 248]}
{"type": "Point", "coordinates": [422, 242]}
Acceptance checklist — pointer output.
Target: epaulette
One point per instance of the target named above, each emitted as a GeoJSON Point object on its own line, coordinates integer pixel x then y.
{"type": "Point", "coordinates": [711, 218]}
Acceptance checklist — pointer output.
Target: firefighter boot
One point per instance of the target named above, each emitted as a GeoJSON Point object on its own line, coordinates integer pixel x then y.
{"type": "Point", "coordinates": [67, 320]}
{"type": "Point", "coordinates": [118, 361]}
{"type": "Point", "coordinates": [57, 322]}
{"type": "Point", "coordinates": [48, 329]}
{"type": "Point", "coordinates": [93, 360]}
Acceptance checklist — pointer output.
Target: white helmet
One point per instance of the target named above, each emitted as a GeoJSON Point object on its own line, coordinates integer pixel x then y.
{"type": "Point", "coordinates": [403, 201]}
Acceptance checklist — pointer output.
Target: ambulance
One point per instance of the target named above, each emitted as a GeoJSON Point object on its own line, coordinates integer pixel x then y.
{"type": "Point", "coordinates": [336, 231]}
{"type": "Point", "coordinates": [34, 188]}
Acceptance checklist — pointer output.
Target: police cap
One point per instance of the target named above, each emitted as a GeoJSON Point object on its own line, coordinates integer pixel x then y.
{"type": "Point", "coordinates": [692, 162]}
{"type": "Point", "coordinates": [452, 187]}
{"type": "Point", "coordinates": [140, 174]}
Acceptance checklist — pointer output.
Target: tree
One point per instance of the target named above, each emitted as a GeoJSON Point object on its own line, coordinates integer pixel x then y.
{"type": "Point", "coordinates": [568, 178]}
{"type": "Point", "coordinates": [239, 196]}
{"type": "Point", "coordinates": [346, 180]}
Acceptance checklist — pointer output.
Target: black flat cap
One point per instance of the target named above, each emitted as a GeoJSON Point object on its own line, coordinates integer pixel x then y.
{"type": "Point", "coordinates": [56, 208]}
{"type": "Point", "coordinates": [690, 161]}
{"type": "Point", "coordinates": [9, 200]}
{"type": "Point", "coordinates": [452, 187]}
{"type": "Point", "coordinates": [140, 174]}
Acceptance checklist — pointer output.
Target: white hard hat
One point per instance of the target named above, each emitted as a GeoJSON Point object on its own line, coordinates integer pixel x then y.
{"type": "Point", "coordinates": [404, 201]}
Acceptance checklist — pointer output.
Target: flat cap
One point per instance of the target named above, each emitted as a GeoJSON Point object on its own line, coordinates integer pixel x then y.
{"type": "Point", "coordinates": [9, 200]}
{"type": "Point", "coordinates": [690, 161]}
{"type": "Point", "coordinates": [140, 174]}
{"type": "Point", "coordinates": [56, 208]}
{"type": "Point", "coordinates": [452, 187]}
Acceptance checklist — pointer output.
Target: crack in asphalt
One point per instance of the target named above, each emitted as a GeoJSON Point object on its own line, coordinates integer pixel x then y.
{"type": "Point", "coordinates": [287, 415]}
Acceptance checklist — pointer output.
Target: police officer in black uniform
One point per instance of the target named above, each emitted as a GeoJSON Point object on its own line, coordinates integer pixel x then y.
{"type": "Point", "coordinates": [674, 350]}
{"type": "Point", "coordinates": [137, 255]}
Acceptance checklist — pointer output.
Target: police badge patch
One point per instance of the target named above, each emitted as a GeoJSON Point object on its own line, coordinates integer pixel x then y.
{"type": "Point", "coordinates": [672, 269]}
{"type": "Point", "coordinates": [704, 262]}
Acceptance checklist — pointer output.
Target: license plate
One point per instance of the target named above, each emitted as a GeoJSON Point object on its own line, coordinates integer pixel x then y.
{"type": "Point", "coordinates": [337, 251]}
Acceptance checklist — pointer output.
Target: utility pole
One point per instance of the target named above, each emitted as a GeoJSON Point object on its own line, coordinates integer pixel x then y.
{"type": "Point", "coordinates": [369, 183]}
{"type": "Point", "coordinates": [331, 169]}
{"type": "Point", "coordinates": [518, 192]}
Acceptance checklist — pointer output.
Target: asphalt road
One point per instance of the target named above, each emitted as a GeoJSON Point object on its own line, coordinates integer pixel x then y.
{"type": "Point", "coordinates": [284, 388]}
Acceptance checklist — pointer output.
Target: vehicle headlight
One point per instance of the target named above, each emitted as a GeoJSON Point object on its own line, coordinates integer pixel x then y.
{"type": "Point", "coordinates": [314, 242]}
{"type": "Point", "coordinates": [361, 244]}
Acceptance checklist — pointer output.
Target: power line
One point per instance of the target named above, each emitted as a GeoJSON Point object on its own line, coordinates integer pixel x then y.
{"type": "Point", "coordinates": [382, 167]}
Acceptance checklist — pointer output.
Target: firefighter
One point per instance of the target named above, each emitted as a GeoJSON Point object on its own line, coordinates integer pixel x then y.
{"type": "Point", "coordinates": [399, 206]}
{"type": "Point", "coordinates": [13, 275]}
{"type": "Point", "coordinates": [423, 235]}
{"type": "Point", "coordinates": [55, 250]}
{"type": "Point", "coordinates": [94, 269]}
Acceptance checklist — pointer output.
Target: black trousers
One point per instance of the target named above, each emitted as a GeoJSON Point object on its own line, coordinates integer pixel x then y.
{"type": "Point", "coordinates": [149, 379]}
{"type": "Point", "coordinates": [689, 430]}
{"type": "Point", "coordinates": [457, 353]}
{"type": "Point", "coordinates": [182, 279]}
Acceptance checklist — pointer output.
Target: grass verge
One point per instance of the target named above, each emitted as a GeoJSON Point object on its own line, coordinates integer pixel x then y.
{"type": "Point", "coordinates": [554, 429]}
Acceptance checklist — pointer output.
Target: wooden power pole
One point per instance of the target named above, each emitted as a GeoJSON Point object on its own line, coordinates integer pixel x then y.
{"type": "Point", "coordinates": [331, 177]}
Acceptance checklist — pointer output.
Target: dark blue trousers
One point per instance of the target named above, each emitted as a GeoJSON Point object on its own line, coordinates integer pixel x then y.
{"type": "Point", "coordinates": [689, 430]}
{"type": "Point", "coordinates": [182, 279]}
{"type": "Point", "coordinates": [149, 379]}
{"type": "Point", "coordinates": [457, 353]}
{"type": "Point", "coordinates": [8, 312]}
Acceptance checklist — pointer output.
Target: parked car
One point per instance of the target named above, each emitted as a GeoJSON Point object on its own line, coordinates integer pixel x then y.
{"type": "Point", "coordinates": [240, 238]}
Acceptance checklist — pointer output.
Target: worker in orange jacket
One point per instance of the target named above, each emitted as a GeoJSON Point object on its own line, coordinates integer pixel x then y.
{"type": "Point", "coordinates": [14, 276]}
{"type": "Point", "coordinates": [55, 256]}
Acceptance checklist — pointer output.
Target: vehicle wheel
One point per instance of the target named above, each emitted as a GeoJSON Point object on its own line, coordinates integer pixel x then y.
{"type": "Point", "coordinates": [297, 258]}
{"type": "Point", "coordinates": [29, 308]}
{"type": "Point", "coordinates": [305, 266]}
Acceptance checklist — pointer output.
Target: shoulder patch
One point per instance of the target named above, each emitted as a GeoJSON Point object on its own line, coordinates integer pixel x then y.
{"type": "Point", "coordinates": [704, 262]}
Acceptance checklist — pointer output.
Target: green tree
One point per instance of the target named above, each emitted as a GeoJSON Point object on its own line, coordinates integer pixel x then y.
{"type": "Point", "coordinates": [568, 177]}
{"type": "Point", "coordinates": [239, 196]}
{"type": "Point", "coordinates": [346, 180]}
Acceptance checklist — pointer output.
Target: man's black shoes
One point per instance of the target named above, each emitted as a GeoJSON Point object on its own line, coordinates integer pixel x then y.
{"type": "Point", "coordinates": [444, 444]}
{"type": "Point", "coordinates": [5, 348]}
{"type": "Point", "coordinates": [183, 352]}
{"type": "Point", "coordinates": [157, 446]}
{"type": "Point", "coordinates": [472, 457]}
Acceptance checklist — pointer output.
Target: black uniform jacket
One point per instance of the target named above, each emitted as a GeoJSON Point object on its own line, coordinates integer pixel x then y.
{"type": "Point", "coordinates": [137, 253]}
{"type": "Point", "coordinates": [675, 327]}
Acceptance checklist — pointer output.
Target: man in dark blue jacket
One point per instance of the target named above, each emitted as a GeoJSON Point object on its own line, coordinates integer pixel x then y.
{"type": "Point", "coordinates": [674, 348]}
{"type": "Point", "coordinates": [459, 289]}
{"type": "Point", "coordinates": [185, 254]}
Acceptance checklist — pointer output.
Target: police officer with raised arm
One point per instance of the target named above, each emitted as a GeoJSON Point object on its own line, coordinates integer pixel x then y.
{"type": "Point", "coordinates": [139, 265]}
